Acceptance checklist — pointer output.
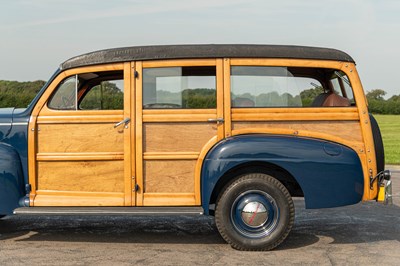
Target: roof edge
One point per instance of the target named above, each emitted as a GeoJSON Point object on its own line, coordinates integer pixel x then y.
{"type": "Point", "coordinates": [193, 51]}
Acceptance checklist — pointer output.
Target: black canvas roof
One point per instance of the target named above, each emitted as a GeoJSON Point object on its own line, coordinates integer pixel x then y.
{"type": "Point", "coordinates": [204, 51]}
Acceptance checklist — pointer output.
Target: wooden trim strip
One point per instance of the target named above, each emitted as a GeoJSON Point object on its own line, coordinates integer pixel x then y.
{"type": "Point", "coordinates": [79, 193]}
{"type": "Point", "coordinates": [369, 160]}
{"type": "Point", "coordinates": [179, 117]}
{"type": "Point", "coordinates": [129, 141]}
{"type": "Point", "coordinates": [295, 110]}
{"type": "Point", "coordinates": [227, 98]}
{"type": "Point", "coordinates": [139, 133]}
{"type": "Point", "coordinates": [79, 119]}
{"type": "Point", "coordinates": [90, 156]}
{"type": "Point", "coordinates": [199, 164]}
{"type": "Point", "coordinates": [50, 198]}
{"type": "Point", "coordinates": [169, 199]}
{"type": "Point", "coordinates": [220, 98]}
{"type": "Point", "coordinates": [274, 62]}
{"type": "Point", "coordinates": [295, 116]}
{"type": "Point", "coordinates": [171, 155]}
{"type": "Point", "coordinates": [178, 111]}
{"type": "Point", "coordinates": [179, 63]}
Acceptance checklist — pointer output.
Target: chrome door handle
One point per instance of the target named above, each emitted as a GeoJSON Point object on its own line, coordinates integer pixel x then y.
{"type": "Point", "coordinates": [218, 120]}
{"type": "Point", "coordinates": [125, 121]}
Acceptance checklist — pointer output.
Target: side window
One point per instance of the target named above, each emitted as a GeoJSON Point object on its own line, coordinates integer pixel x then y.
{"type": "Point", "coordinates": [65, 96]}
{"type": "Point", "coordinates": [341, 86]}
{"type": "Point", "coordinates": [90, 91]}
{"type": "Point", "coordinates": [108, 95]}
{"type": "Point", "coordinates": [263, 86]}
{"type": "Point", "coordinates": [179, 87]}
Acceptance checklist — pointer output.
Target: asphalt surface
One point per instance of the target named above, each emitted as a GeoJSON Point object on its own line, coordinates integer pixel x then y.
{"type": "Point", "coordinates": [366, 233]}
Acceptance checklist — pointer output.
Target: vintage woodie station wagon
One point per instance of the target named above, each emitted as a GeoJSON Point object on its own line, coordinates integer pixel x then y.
{"type": "Point", "coordinates": [233, 131]}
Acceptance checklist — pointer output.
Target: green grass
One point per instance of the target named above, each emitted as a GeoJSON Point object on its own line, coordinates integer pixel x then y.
{"type": "Point", "coordinates": [390, 130]}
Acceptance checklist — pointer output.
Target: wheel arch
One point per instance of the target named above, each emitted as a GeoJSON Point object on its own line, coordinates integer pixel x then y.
{"type": "Point", "coordinates": [328, 174]}
{"type": "Point", "coordinates": [11, 179]}
{"type": "Point", "coordinates": [271, 169]}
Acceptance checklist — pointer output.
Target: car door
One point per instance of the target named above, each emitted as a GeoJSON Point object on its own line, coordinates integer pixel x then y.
{"type": "Point", "coordinates": [179, 116]}
{"type": "Point", "coordinates": [80, 139]}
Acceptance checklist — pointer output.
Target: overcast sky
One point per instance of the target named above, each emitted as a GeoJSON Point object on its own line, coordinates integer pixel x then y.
{"type": "Point", "coordinates": [37, 35]}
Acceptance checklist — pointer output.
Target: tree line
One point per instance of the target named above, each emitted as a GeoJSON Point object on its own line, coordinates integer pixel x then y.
{"type": "Point", "coordinates": [20, 94]}
{"type": "Point", "coordinates": [378, 105]}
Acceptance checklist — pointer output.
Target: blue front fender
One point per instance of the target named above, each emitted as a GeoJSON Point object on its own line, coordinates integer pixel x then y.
{"type": "Point", "coordinates": [11, 179]}
{"type": "Point", "coordinates": [329, 174]}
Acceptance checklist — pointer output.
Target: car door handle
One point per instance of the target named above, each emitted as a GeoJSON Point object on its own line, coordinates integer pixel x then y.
{"type": "Point", "coordinates": [219, 120]}
{"type": "Point", "coordinates": [125, 121]}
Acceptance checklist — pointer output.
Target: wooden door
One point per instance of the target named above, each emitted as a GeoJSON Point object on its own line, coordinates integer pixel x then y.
{"type": "Point", "coordinates": [179, 116]}
{"type": "Point", "coordinates": [81, 155]}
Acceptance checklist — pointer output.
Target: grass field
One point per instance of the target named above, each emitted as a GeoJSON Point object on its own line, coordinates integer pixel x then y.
{"type": "Point", "coordinates": [390, 129]}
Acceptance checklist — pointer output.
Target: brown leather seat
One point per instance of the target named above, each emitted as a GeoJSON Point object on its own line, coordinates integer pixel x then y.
{"type": "Point", "coordinates": [330, 100]}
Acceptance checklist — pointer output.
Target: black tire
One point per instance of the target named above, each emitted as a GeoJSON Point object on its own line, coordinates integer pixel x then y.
{"type": "Point", "coordinates": [1, 216]}
{"type": "Point", "coordinates": [254, 213]}
{"type": "Point", "coordinates": [378, 144]}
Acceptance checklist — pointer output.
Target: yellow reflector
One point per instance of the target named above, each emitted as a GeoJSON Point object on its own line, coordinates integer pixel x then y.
{"type": "Point", "coordinates": [381, 193]}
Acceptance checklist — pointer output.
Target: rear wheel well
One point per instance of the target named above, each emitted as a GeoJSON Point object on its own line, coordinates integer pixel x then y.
{"type": "Point", "coordinates": [256, 167]}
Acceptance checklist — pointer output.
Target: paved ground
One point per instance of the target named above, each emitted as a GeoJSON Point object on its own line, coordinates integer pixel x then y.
{"type": "Point", "coordinates": [367, 233]}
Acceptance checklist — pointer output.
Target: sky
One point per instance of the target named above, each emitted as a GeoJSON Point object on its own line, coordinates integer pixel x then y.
{"type": "Point", "coordinates": [37, 35]}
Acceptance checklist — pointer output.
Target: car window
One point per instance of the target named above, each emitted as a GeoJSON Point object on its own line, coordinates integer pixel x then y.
{"type": "Point", "coordinates": [179, 87]}
{"type": "Point", "coordinates": [108, 95]}
{"type": "Point", "coordinates": [264, 86]}
{"type": "Point", "coordinates": [90, 91]}
{"type": "Point", "coordinates": [341, 85]}
{"type": "Point", "coordinates": [65, 96]}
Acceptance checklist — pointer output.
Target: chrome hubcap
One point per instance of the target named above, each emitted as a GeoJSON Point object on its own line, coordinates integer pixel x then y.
{"type": "Point", "coordinates": [254, 214]}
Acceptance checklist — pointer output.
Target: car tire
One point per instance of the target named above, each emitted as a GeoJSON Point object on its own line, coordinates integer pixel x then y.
{"type": "Point", "coordinates": [378, 144]}
{"type": "Point", "coordinates": [254, 213]}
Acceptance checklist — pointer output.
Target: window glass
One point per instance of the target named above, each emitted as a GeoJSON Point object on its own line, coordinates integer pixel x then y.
{"type": "Point", "coordinates": [179, 87]}
{"type": "Point", "coordinates": [65, 96]}
{"type": "Point", "coordinates": [90, 91]}
{"type": "Point", "coordinates": [264, 87]}
{"type": "Point", "coordinates": [108, 95]}
{"type": "Point", "coordinates": [341, 85]}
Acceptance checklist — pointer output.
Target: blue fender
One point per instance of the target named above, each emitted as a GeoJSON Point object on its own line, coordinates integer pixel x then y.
{"type": "Point", "coordinates": [11, 179]}
{"type": "Point", "coordinates": [329, 174]}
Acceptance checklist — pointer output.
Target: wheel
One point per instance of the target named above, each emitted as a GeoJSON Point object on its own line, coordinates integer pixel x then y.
{"type": "Point", "coordinates": [255, 212]}
{"type": "Point", "coordinates": [1, 216]}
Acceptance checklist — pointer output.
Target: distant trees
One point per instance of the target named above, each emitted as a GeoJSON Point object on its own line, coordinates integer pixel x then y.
{"type": "Point", "coordinates": [108, 96]}
{"type": "Point", "coordinates": [378, 105]}
{"type": "Point", "coordinates": [18, 94]}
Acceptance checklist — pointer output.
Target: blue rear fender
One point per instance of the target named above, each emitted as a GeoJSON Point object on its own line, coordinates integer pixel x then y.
{"type": "Point", "coordinates": [11, 179]}
{"type": "Point", "coordinates": [329, 174]}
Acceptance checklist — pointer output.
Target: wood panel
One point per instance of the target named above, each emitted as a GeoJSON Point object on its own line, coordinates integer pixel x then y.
{"type": "Point", "coordinates": [349, 130]}
{"type": "Point", "coordinates": [79, 156]}
{"type": "Point", "coordinates": [81, 176]}
{"type": "Point", "coordinates": [67, 198]}
{"type": "Point", "coordinates": [295, 114]}
{"type": "Point", "coordinates": [169, 199]}
{"type": "Point", "coordinates": [170, 155]}
{"type": "Point", "coordinates": [177, 137]}
{"type": "Point", "coordinates": [169, 176]}
{"type": "Point", "coordinates": [71, 138]}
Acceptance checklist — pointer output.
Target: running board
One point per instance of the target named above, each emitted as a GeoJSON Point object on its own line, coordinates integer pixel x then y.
{"type": "Point", "coordinates": [109, 211]}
